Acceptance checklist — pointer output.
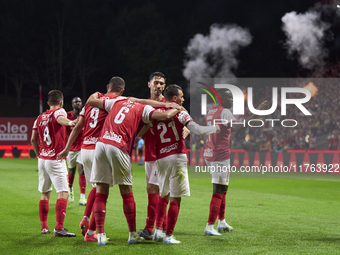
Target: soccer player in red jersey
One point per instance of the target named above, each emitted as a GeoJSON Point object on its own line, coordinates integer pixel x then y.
{"type": "Point", "coordinates": [172, 162]}
{"type": "Point", "coordinates": [91, 121]}
{"type": "Point", "coordinates": [47, 139]}
{"type": "Point", "coordinates": [74, 157]}
{"type": "Point", "coordinates": [156, 84]}
{"type": "Point", "coordinates": [112, 161]}
{"type": "Point", "coordinates": [217, 155]}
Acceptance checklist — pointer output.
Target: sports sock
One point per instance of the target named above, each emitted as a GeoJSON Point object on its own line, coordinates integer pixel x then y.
{"type": "Point", "coordinates": [172, 217]}
{"type": "Point", "coordinates": [129, 207]}
{"type": "Point", "coordinates": [60, 211]}
{"type": "Point", "coordinates": [165, 221]}
{"type": "Point", "coordinates": [152, 207]}
{"type": "Point", "coordinates": [99, 210]}
{"type": "Point", "coordinates": [70, 180]}
{"type": "Point", "coordinates": [221, 215]}
{"type": "Point", "coordinates": [93, 225]}
{"type": "Point", "coordinates": [161, 212]}
{"type": "Point", "coordinates": [82, 184]}
{"type": "Point", "coordinates": [43, 212]}
{"type": "Point", "coordinates": [215, 205]}
{"type": "Point", "coordinates": [90, 202]}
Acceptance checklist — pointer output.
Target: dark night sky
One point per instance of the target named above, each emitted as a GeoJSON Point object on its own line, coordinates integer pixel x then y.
{"type": "Point", "coordinates": [100, 39]}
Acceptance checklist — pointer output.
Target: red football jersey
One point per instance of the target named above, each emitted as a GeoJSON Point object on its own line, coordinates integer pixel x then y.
{"type": "Point", "coordinates": [51, 133]}
{"type": "Point", "coordinates": [218, 145]}
{"type": "Point", "coordinates": [94, 119]}
{"type": "Point", "coordinates": [124, 121]}
{"type": "Point", "coordinates": [150, 143]}
{"type": "Point", "coordinates": [168, 134]}
{"type": "Point", "coordinates": [79, 140]}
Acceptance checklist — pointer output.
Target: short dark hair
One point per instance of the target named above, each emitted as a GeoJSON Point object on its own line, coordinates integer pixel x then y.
{"type": "Point", "coordinates": [116, 84]}
{"type": "Point", "coordinates": [171, 91]}
{"type": "Point", "coordinates": [54, 97]}
{"type": "Point", "coordinates": [75, 98]}
{"type": "Point", "coordinates": [157, 74]}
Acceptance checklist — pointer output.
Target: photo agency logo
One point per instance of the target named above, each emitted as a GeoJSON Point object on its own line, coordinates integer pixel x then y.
{"type": "Point", "coordinates": [281, 98]}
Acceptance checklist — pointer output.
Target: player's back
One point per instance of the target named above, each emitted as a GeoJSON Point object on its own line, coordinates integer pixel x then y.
{"type": "Point", "coordinates": [168, 136]}
{"type": "Point", "coordinates": [51, 133]}
{"type": "Point", "coordinates": [122, 124]}
{"type": "Point", "coordinates": [94, 119]}
{"type": "Point", "coordinates": [218, 145]}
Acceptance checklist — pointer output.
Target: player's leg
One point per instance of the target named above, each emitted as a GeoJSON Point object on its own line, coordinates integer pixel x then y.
{"type": "Point", "coordinates": [99, 209]}
{"type": "Point", "coordinates": [161, 216]}
{"type": "Point", "coordinates": [82, 181]}
{"type": "Point", "coordinates": [122, 175]}
{"type": "Point", "coordinates": [129, 208]}
{"type": "Point", "coordinates": [164, 193]}
{"type": "Point", "coordinates": [140, 152]}
{"type": "Point", "coordinates": [45, 187]}
{"type": "Point", "coordinates": [71, 164]}
{"type": "Point", "coordinates": [87, 226]}
{"type": "Point", "coordinates": [58, 172]}
{"type": "Point", "coordinates": [223, 226]}
{"type": "Point", "coordinates": [43, 212]}
{"type": "Point", "coordinates": [179, 187]}
{"type": "Point", "coordinates": [101, 175]}
{"type": "Point", "coordinates": [153, 198]}
{"type": "Point", "coordinates": [220, 181]}
{"type": "Point", "coordinates": [172, 220]}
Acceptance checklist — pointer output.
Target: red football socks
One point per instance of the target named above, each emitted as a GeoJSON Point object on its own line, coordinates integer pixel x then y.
{"type": "Point", "coordinates": [82, 183]}
{"type": "Point", "coordinates": [152, 207]}
{"type": "Point", "coordinates": [172, 217]}
{"type": "Point", "coordinates": [129, 207]}
{"type": "Point", "coordinates": [99, 210]}
{"type": "Point", "coordinates": [222, 208]}
{"type": "Point", "coordinates": [60, 211]}
{"type": "Point", "coordinates": [215, 205]}
{"type": "Point", "coordinates": [93, 225]}
{"type": "Point", "coordinates": [43, 212]}
{"type": "Point", "coordinates": [70, 180]}
{"type": "Point", "coordinates": [90, 202]}
{"type": "Point", "coordinates": [165, 221]}
{"type": "Point", "coordinates": [161, 212]}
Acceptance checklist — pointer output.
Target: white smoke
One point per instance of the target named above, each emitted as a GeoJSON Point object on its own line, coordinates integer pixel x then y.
{"type": "Point", "coordinates": [306, 33]}
{"type": "Point", "coordinates": [214, 55]}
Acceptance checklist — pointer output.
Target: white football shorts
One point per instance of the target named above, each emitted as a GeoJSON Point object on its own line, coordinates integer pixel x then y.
{"type": "Point", "coordinates": [52, 172]}
{"type": "Point", "coordinates": [87, 156]}
{"type": "Point", "coordinates": [173, 176]}
{"type": "Point", "coordinates": [220, 171]}
{"type": "Point", "coordinates": [73, 158]}
{"type": "Point", "coordinates": [111, 166]}
{"type": "Point", "coordinates": [151, 172]}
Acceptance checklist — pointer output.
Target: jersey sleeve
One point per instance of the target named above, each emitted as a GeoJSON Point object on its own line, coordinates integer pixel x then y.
{"type": "Point", "coordinates": [146, 115]}
{"type": "Point", "coordinates": [184, 118]}
{"type": "Point", "coordinates": [82, 113]}
{"type": "Point", "coordinates": [227, 115]}
{"type": "Point", "coordinates": [60, 112]}
{"type": "Point", "coordinates": [201, 130]}
{"type": "Point", "coordinates": [35, 125]}
{"type": "Point", "coordinates": [108, 103]}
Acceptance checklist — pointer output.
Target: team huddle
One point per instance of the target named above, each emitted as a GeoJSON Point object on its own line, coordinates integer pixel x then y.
{"type": "Point", "coordinates": [108, 125]}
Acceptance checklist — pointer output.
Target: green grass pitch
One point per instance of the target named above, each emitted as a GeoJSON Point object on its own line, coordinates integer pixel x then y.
{"type": "Point", "coordinates": [269, 215]}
